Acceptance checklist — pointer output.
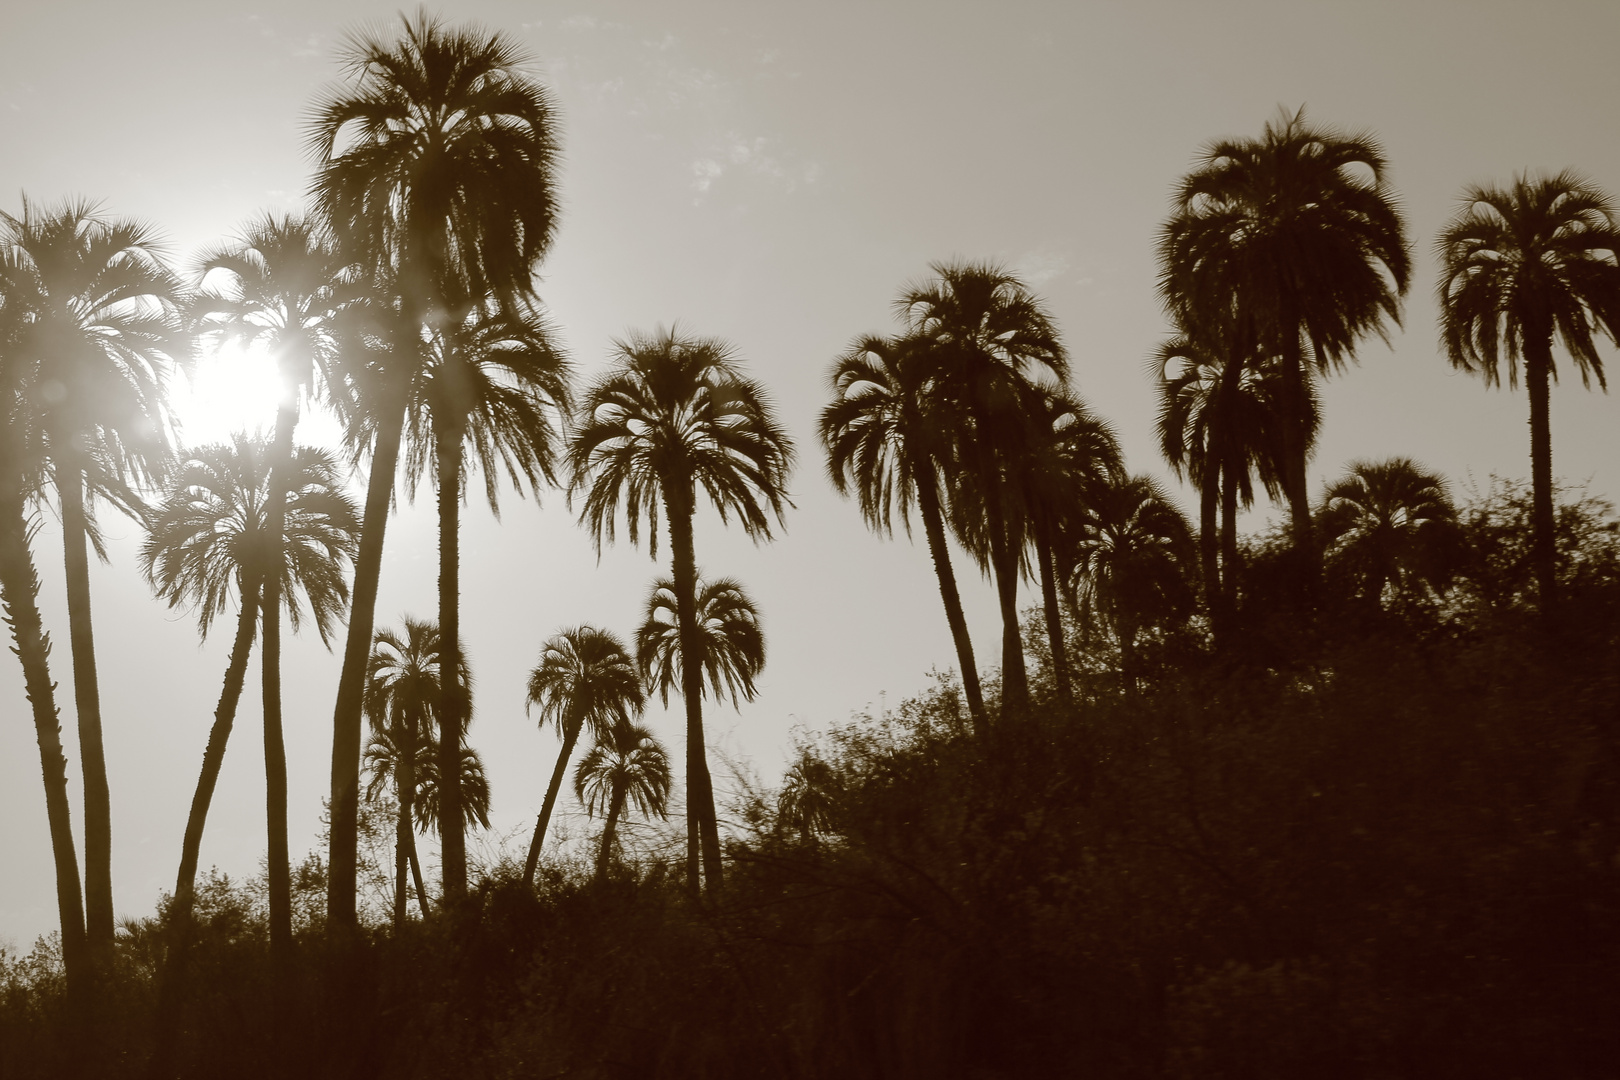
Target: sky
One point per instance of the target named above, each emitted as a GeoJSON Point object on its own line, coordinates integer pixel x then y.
{"type": "Point", "coordinates": [773, 175]}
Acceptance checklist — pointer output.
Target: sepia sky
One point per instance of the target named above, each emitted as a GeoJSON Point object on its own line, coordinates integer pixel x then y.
{"type": "Point", "coordinates": [772, 174]}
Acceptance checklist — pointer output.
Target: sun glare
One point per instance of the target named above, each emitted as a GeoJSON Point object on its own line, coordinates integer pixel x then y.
{"type": "Point", "coordinates": [234, 388]}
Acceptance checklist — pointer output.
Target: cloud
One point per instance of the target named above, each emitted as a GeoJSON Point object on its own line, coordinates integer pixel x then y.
{"type": "Point", "coordinates": [1038, 267]}
{"type": "Point", "coordinates": [705, 171]}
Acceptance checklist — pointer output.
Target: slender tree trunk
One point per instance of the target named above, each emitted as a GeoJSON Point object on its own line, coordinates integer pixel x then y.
{"type": "Point", "coordinates": [608, 833]}
{"type": "Point", "coordinates": [934, 529]}
{"type": "Point", "coordinates": [182, 910]}
{"type": "Point", "coordinates": [452, 693]}
{"type": "Point", "coordinates": [1230, 570]}
{"type": "Point", "coordinates": [1209, 494]}
{"type": "Point", "coordinates": [416, 876]}
{"type": "Point", "coordinates": [405, 780]}
{"type": "Point", "coordinates": [343, 848]}
{"type": "Point", "coordinates": [570, 737]}
{"type": "Point", "coordinates": [1014, 676]}
{"type": "Point", "coordinates": [98, 898]}
{"type": "Point", "coordinates": [19, 592]}
{"type": "Point", "coordinates": [1054, 619]}
{"type": "Point", "coordinates": [1537, 379]}
{"type": "Point", "coordinates": [1127, 658]}
{"type": "Point", "coordinates": [275, 751]}
{"type": "Point", "coordinates": [702, 829]}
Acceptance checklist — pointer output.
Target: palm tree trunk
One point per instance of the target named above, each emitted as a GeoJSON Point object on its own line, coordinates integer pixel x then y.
{"type": "Point", "coordinates": [19, 592]}
{"type": "Point", "coordinates": [1230, 570]}
{"type": "Point", "coordinates": [609, 831]}
{"type": "Point", "coordinates": [451, 826]}
{"type": "Point", "coordinates": [934, 529]}
{"type": "Point", "coordinates": [416, 876]}
{"type": "Point", "coordinates": [1537, 379]}
{"type": "Point", "coordinates": [98, 898]}
{"type": "Point", "coordinates": [1054, 619]}
{"type": "Point", "coordinates": [275, 751]}
{"type": "Point", "coordinates": [702, 829]}
{"type": "Point", "coordinates": [405, 780]}
{"type": "Point", "coordinates": [171, 992]}
{"type": "Point", "coordinates": [1004, 560]}
{"type": "Point", "coordinates": [1209, 494]}
{"type": "Point", "coordinates": [570, 737]}
{"type": "Point", "coordinates": [343, 847]}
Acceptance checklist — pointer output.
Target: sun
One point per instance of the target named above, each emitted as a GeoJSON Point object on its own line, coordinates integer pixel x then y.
{"type": "Point", "coordinates": [234, 387]}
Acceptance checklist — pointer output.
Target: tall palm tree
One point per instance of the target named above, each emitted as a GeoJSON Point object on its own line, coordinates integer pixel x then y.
{"type": "Point", "coordinates": [495, 385]}
{"type": "Point", "coordinates": [1132, 561]}
{"type": "Point", "coordinates": [281, 284]}
{"type": "Point", "coordinates": [100, 318]}
{"type": "Point", "coordinates": [21, 473]}
{"type": "Point", "coordinates": [1520, 266]}
{"type": "Point", "coordinates": [731, 644]}
{"type": "Point", "coordinates": [883, 446]}
{"type": "Point", "coordinates": [437, 167]}
{"type": "Point", "coordinates": [402, 703]}
{"type": "Point", "coordinates": [584, 680]}
{"type": "Point", "coordinates": [673, 416]}
{"type": "Point", "coordinates": [1389, 524]}
{"type": "Point", "coordinates": [629, 765]}
{"type": "Point", "coordinates": [416, 775]}
{"type": "Point", "coordinates": [985, 338]}
{"type": "Point", "coordinates": [1295, 242]}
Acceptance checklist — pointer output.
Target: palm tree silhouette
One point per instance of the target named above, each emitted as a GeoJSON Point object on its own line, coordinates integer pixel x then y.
{"type": "Point", "coordinates": [100, 317]}
{"type": "Point", "coordinates": [883, 446]}
{"type": "Point", "coordinates": [1292, 241]}
{"type": "Point", "coordinates": [629, 765]}
{"type": "Point", "coordinates": [1132, 561]}
{"type": "Point", "coordinates": [731, 644]}
{"type": "Point", "coordinates": [1389, 524]}
{"type": "Point", "coordinates": [673, 416]}
{"type": "Point", "coordinates": [584, 680]}
{"type": "Point", "coordinates": [402, 703]}
{"type": "Point", "coordinates": [280, 284]}
{"type": "Point", "coordinates": [437, 171]}
{"type": "Point", "coordinates": [1519, 266]}
{"type": "Point", "coordinates": [984, 338]}
{"type": "Point", "coordinates": [496, 386]}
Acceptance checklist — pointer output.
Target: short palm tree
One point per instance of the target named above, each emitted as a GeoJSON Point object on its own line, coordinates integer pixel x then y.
{"type": "Point", "coordinates": [1295, 242]}
{"type": "Point", "coordinates": [438, 162]}
{"type": "Point", "coordinates": [584, 680]}
{"type": "Point", "coordinates": [99, 314]}
{"type": "Point", "coordinates": [984, 338]}
{"type": "Point", "coordinates": [731, 644]}
{"type": "Point", "coordinates": [496, 386]}
{"type": "Point", "coordinates": [281, 284]}
{"type": "Point", "coordinates": [1389, 526]}
{"type": "Point", "coordinates": [1520, 266]}
{"type": "Point", "coordinates": [883, 447]}
{"type": "Point", "coordinates": [630, 765]}
{"type": "Point", "coordinates": [672, 417]}
{"type": "Point", "coordinates": [1132, 561]}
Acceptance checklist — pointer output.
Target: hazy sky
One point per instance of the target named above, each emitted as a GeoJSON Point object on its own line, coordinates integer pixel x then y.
{"type": "Point", "coordinates": [772, 174]}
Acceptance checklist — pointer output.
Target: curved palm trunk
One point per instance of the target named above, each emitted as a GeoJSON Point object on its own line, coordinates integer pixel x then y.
{"type": "Point", "coordinates": [1054, 619]}
{"type": "Point", "coordinates": [416, 875]}
{"type": "Point", "coordinates": [1537, 379]}
{"type": "Point", "coordinates": [405, 781]}
{"type": "Point", "coordinates": [185, 888]}
{"type": "Point", "coordinates": [98, 898]}
{"type": "Point", "coordinates": [609, 831]}
{"type": "Point", "coordinates": [570, 737]}
{"type": "Point", "coordinates": [934, 529]}
{"type": "Point", "coordinates": [451, 825]}
{"type": "Point", "coordinates": [275, 750]}
{"type": "Point", "coordinates": [19, 592]}
{"type": "Point", "coordinates": [1004, 560]}
{"type": "Point", "coordinates": [702, 829]}
{"type": "Point", "coordinates": [343, 846]}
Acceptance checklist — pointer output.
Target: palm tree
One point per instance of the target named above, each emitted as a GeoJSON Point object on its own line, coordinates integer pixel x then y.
{"type": "Point", "coordinates": [21, 473]}
{"type": "Point", "coordinates": [628, 765]}
{"type": "Point", "coordinates": [437, 171]}
{"type": "Point", "coordinates": [100, 318]}
{"type": "Point", "coordinates": [882, 446]}
{"type": "Point", "coordinates": [1520, 266]}
{"type": "Point", "coordinates": [402, 703]}
{"type": "Point", "coordinates": [1132, 561]}
{"type": "Point", "coordinates": [731, 644]}
{"type": "Point", "coordinates": [1292, 241]}
{"type": "Point", "coordinates": [584, 680]}
{"type": "Point", "coordinates": [675, 415]}
{"type": "Point", "coordinates": [984, 339]}
{"type": "Point", "coordinates": [281, 285]}
{"type": "Point", "coordinates": [1389, 524]}
{"type": "Point", "coordinates": [496, 386]}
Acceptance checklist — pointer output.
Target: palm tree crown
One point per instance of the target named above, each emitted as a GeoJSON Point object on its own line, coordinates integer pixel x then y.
{"type": "Point", "coordinates": [732, 643]}
{"type": "Point", "coordinates": [1390, 523]}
